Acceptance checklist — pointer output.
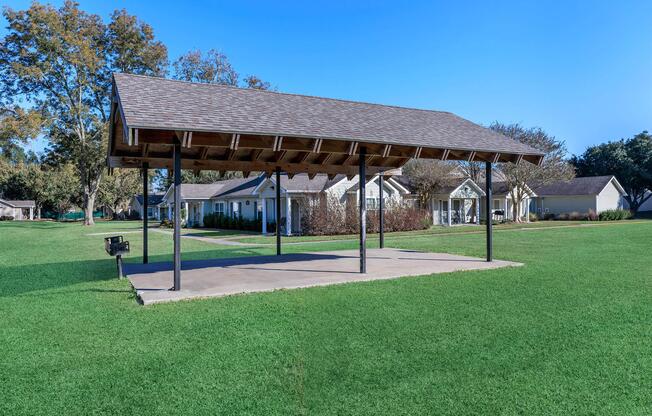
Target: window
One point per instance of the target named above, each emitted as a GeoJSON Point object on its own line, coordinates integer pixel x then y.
{"type": "Point", "coordinates": [219, 208]}
{"type": "Point", "coordinates": [372, 203]}
{"type": "Point", "coordinates": [497, 204]}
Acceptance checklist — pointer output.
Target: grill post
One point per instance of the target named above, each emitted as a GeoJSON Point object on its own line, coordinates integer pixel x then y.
{"type": "Point", "coordinates": [145, 208]}
{"type": "Point", "coordinates": [277, 214]}
{"type": "Point", "coordinates": [118, 261]}
{"type": "Point", "coordinates": [488, 216]}
{"type": "Point", "coordinates": [362, 182]}
{"type": "Point", "coordinates": [177, 216]}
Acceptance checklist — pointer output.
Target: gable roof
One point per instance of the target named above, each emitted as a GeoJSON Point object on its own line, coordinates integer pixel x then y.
{"type": "Point", "coordinates": [589, 185]}
{"type": "Point", "coordinates": [19, 204]}
{"type": "Point", "coordinates": [163, 104]}
{"type": "Point", "coordinates": [205, 190]}
{"type": "Point", "coordinates": [240, 187]}
{"type": "Point", "coordinates": [152, 199]}
{"type": "Point", "coordinates": [499, 188]}
{"type": "Point", "coordinates": [301, 183]}
{"type": "Point", "coordinates": [454, 184]}
{"type": "Point", "coordinates": [389, 182]}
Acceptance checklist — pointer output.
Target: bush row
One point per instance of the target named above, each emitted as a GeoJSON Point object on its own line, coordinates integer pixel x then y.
{"type": "Point", "coordinates": [217, 220]}
{"type": "Point", "coordinates": [328, 216]}
{"type": "Point", "coordinates": [615, 215]}
{"type": "Point", "coordinates": [6, 218]}
{"type": "Point", "coordinates": [608, 215]}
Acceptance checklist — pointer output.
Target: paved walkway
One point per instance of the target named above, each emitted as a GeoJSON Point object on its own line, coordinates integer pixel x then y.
{"type": "Point", "coordinates": [222, 277]}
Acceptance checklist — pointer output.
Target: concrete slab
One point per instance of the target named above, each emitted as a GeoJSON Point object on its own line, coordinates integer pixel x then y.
{"type": "Point", "coordinates": [222, 277]}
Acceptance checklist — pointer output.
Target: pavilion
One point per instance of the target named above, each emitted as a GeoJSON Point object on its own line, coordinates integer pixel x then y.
{"type": "Point", "coordinates": [162, 123]}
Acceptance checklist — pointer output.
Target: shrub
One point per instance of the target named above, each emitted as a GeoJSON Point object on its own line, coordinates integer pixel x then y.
{"type": "Point", "coordinates": [218, 220]}
{"type": "Point", "coordinates": [548, 216]}
{"type": "Point", "coordinates": [615, 215]}
{"type": "Point", "coordinates": [328, 216]}
{"type": "Point", "coordinates": [533, 217]}
{"type": "Point", "coordinates": [576, 216]}
{"type": "Point", "coordinates": [592, 216]}
{"type": "Point", "coordinates": [6, 218]}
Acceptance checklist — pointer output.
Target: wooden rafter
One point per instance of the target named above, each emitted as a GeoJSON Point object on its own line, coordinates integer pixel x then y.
{"type": "Point", "coordinates": [353, 147]}
{"type": "Point", "coordinates": [235, 142]}
{"type": "Point", "coordinates": [255, 154]}
{"type": "Point", "coordinates": [317, 146]}
{"type": "Point", "coordinates": [278, 143]}
{"type": "Point", "coordinates": [280, 155]}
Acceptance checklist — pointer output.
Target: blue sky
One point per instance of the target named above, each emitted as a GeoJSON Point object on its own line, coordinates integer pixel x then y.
{"type": "Point", "coordinates": [580, 70]}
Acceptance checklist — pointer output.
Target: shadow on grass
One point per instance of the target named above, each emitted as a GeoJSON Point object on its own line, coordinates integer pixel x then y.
{"type": "Point", "coordinates": [17, 280]}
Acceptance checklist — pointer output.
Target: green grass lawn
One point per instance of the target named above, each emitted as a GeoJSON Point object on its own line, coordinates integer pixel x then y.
{"type": "Point", "coordinates": [434, 230]}
{"type": "Point", "coordinates": [568, 333]}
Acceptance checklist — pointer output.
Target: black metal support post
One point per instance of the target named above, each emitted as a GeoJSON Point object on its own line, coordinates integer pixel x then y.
{"type": "Point", "coordinates": [277, 215]}
{"type": "Point", "coordinates": [118, 261]}
{"type": "Point", "coordinates": [381, 208]}
{"type": "Point", "coordinates": [177, 216]}
{"type": "Point", "coordinates": [362, 181]}
{"type": "Point", "coordinates": [145, 208]}
{"type": "Point", "coordinates": [488, 216]}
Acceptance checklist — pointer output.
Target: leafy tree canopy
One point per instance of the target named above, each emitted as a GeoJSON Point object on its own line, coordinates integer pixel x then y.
{"type": "Point", "coordinates": [555, 165]}
{"type": "Point", "coordinates": [630, 160]}
{"type": "Point", "coordinates": [58, 63]}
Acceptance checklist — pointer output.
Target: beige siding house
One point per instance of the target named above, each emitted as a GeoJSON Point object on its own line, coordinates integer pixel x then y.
{"type": "Point", "coordinates": [256, 198]}
{"type": "Point", "coordinates": [595, 193]}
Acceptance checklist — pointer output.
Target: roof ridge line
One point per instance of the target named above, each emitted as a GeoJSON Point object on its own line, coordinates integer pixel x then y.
{"type": "Point", "coordinates": [255, 90]}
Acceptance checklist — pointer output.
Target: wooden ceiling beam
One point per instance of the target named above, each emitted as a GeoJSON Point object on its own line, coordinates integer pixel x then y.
{"type": "Point", "coordinates": [241, 165]}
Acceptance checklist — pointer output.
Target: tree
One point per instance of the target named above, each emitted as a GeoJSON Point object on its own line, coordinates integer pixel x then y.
{"type": "Point", "coordinates": [117, 189]}
{"type": "Point", "coordinates": [256, 83]}
{"type": "Point", "coordinates": [58, 63]}
{"type": "Point", "coordinates": [629, 160]}
{"type": "Point", "coordinates": [554, 167]}
{"type": "Point", "coordinates": [54, 188]}
{"type": "Point", "coordinates": [426, 176]}
{"type": "Point", "coordinates": [212, 68]}
{"type": "Point", "coordinates": [474, 170]}
{"type": "Point", "coordinates": [62, 190]}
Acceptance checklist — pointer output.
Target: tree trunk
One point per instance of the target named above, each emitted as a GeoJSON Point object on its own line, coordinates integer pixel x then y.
{"type": "Point", "coordinates": [90, 194]}
{"type": "Point", "coordinates": [89, 207]}
{"type": "Point", "coordinates": [633, 203]}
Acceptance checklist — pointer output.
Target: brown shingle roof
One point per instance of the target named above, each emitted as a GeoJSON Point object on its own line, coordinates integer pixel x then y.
{"type": "Point", "coordinates": [159, 103]}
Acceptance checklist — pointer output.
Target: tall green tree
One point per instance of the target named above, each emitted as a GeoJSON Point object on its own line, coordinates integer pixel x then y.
{"type": "Point", "coordinates": [117, 189]}
{"type": "Point", "coordinates": [629, 160]}
{"type": "Point", "coordinates": [213, 67]}
{"type": "Point", "coordinates": [555, 165]}
{"type": "Point", "coordinates": [58, 63]}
